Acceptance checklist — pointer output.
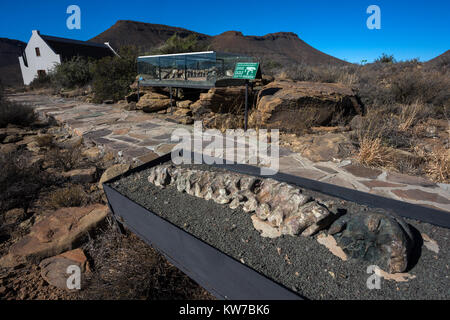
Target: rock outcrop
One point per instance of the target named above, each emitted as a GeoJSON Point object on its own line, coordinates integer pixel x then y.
{"type": "Point", "coordinates": [323, 147]}
{"type": "Point", "coordinates": [54, 269]}
{"type": "Point", "coordinates": [292, 106]}
{"type": "Point", "coordinates": [55, 233]}
{"type": "Point", "coordinates": [153, 102]}
{"type": "Point", "coordinates": [112, 172]}
{"type": "Point", "coordinates": [381, 239]}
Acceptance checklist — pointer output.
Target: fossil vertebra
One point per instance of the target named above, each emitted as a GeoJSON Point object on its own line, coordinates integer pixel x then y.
{"type": "Point", "coordinates": [281, 205]}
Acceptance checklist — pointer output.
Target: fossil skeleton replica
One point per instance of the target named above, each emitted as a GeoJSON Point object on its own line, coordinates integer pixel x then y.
{"type": "Point", "coordinates": [282, 205]}
{"type": "Point", "coordinates": [374, 237]}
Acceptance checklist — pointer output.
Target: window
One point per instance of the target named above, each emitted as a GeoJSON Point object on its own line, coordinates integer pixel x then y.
{"type": "Point", "coordinates": [38, 52]}
{"type": "Point", "coordinates": [41, 73]}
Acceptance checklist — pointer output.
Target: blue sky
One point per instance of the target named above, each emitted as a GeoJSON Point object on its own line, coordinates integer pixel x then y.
{"type": "Point", "coordinates": [409, 29]}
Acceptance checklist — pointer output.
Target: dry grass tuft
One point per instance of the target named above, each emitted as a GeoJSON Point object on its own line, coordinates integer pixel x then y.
{"type": "Point", "coordinates": [438, 165]}
{"type": "Point", "coordinates": [408, 115]}
{"type": "Point", "coordinates": [373, 153]}
{"type": "Point", "coordinates": [66, 159]}
{"type": "Point", "coordinates": [73, 196]}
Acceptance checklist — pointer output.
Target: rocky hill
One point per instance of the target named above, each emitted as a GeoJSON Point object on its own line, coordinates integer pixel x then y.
{"type": "Point", "coordinates": [281, 47]}
{"type": "Point", "coordinates": [441, 60]}
{"type": "Point", "coordinates": [145, 36]}
{"type": "Point", "coordinates": [10, 50]}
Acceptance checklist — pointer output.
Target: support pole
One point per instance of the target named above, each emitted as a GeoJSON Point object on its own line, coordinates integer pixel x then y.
{"type": "Point", "coordinates": [138, 91]}
{"type": "Point", "coordinates": [171, 110]}
{"type": "Point", "coordinates": [246, 106]}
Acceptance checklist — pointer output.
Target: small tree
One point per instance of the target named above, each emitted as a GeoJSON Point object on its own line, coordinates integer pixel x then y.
{"type": "Point", "coordinates": [112, 76]}
{"type": "Point", "coordinates": [75, 72]}
{"type": "Point", "coordinates": [385, 58]}
{"type": "Point", "coordinates": [177, 44]}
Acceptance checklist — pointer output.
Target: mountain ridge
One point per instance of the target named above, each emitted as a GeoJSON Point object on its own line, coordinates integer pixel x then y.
{"type": "Point", "coordinates": [10, 50]}
{"type": "Point", "coordinates": [283, 47]}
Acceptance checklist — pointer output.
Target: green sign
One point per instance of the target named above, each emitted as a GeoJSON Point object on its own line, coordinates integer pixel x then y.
{"type": "Point", "coordinates": [246, 70]}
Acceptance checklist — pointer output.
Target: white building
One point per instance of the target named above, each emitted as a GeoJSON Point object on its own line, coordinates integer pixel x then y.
{"type": "Point", "coordinates": [42, 53]}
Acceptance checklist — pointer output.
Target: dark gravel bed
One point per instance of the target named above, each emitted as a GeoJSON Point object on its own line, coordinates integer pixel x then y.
{"type": "Point", "coordinates": [299, 263]}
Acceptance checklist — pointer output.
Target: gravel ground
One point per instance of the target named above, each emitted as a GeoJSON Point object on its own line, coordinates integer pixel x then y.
{"type": "Point", "coordinates": [299, 263]}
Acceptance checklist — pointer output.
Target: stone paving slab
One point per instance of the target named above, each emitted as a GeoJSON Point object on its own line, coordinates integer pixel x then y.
{"type": "Point", "coordinates": [140, 137]}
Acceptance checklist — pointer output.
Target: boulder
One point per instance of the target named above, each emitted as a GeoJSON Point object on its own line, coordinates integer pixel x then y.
{"type": "Point", "coordinates": [182, 112]}
{"type": "Point", "coordinates": [54, 269]}
{"type": "Point", "coordinates": [33, 146]}
{"type": "Point", "coordinates": [54, 233]}
{"type": "Point", "coordinates": [324, 147]}
{"type": "Point", "coordinates": [14, 216]}
{"type": "Point", "coordinates": [222, 100]}
{"type": "Point", "coordinates": [292, 106]}
{"type": "Point", "coordinates": [381, 239]}
{"type": "Point", "coordinates": [70, 143]}
{"type": "Point", "coordinates": [153, 102]}
{"type": "Point", "coordinates": [92, 153]}
{"type": "Point", "coordinates": [12, 139]}
{"type": "Point", "coordinates": [81, 175]}
{"type": "Point", "coordinates": [185, 104]}
{"type": "Point", "coordinates": [113, 172]}
{"type": "Point", "coordinates": [185, 120]}
{"type": "Point", "coordinates": [8, 148]}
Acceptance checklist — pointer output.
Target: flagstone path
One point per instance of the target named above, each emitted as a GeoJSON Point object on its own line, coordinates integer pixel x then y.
{"type": "Point", "coordinates": [138, 137]}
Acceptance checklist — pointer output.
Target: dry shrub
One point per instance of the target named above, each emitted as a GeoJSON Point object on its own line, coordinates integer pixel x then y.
{"type": "Point", "coordinates": [15, 113]}
{"type": "Point", "coordinates": [45, 140]}
{"type": "Point", "coordinates": [408, 115]}
{"type": "Point", "coordinates": [438, 164]}
{"type": "Point", "coordinates": [224, 121]}
{"type": "Point", "coordinates": [20, 180]}
{"type": "Point", "coordinates": [372, 153]}
{"type": "Point", "coordinates": [326, 73]}
{"type": "Point", "coordinates": [379, 84]}
{"type": "Point", "coordinates": [72, 196]}
{"type": "Point", "coordinates": [66, 159]}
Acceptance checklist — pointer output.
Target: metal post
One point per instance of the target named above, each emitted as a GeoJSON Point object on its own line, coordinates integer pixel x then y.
{"type": "Point", "coordinates": [171, 110]}
{"type": "Point", "coordinates": [185, 68]}
{"type": "Point", "coordinates": [246, 106]}
{"type": "Point", "coordinates": [138, 91]}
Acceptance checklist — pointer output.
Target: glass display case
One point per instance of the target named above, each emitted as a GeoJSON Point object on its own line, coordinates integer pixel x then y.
{"type": "Point", "coordinates": [196, 70]}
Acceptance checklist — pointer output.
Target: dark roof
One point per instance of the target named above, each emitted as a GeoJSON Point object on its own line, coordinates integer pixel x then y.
{"type": "Point", "coordinates": [68, 48]}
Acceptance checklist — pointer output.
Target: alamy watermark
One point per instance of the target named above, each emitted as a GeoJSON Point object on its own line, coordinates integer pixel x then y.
{"type": "Point", "coordinates": [74, 280]}
{"type": "Point", "coordinates": [74, 20]}
{"type": "Point", "coordinates": [234, 146]}
{"type": "Point", "coordinates": [374, 20]}
{"type": "Point", "coordinates": [374, 280]}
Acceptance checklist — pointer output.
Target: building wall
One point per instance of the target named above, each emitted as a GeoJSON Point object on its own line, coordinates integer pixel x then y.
{"type": "Point", "coordinates": [46, 61]}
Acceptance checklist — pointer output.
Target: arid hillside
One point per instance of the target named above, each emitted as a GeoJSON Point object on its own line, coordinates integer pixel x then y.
{"type": "Point", "coordinates": [441, 60]}
{"type": "Point", "coordinates": [281, 47]}
{"type": "Point", "coordinates": [9, 62]}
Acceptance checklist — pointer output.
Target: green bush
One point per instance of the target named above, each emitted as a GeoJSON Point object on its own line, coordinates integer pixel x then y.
{"type": "Point", "coordinates": [76, 72]}
{"type": "Point", "coordinates": [177, 44]}
{"type": "Point", "coordinates": [385, 58]}
{"type": "Point", "coordinates": [112, 76]}
{"type": "Point", "coordinates": [41, 81]}
{"type": "Point", "coordinates": [15, 113]}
